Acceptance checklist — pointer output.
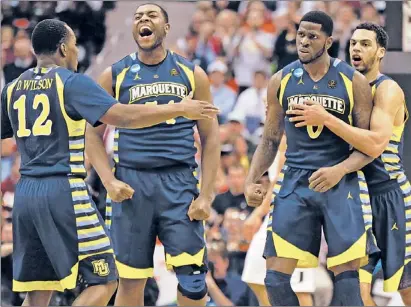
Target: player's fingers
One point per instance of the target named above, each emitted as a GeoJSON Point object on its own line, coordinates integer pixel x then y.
{"type": "Point", "coordinates": [309, 102]}
{"type": "Point", "coordinates": [322, 187]}
{"type": "Point", "coordinates": [295, 112]}
{"type": "Point", "coordinates": [299, 106]}
{"type": "Point", "coordinates": [297, 118]}
{"type": "Point", "coordinates": [315, 175]}
{"type": "Point", "coordinates": [301, 124]}
{"type": "Point", "coordinates": [316, 182]}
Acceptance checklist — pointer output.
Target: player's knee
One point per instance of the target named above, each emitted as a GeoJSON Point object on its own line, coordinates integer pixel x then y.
{"type": "Point", "coordinates": [275, 280]}
{"type": "Point", "coordinates": [191, 281]}
{"type": "Point", "coordinates": [283, 265]}
{"type": "Point", "coordinates": [406, 296]}
{"type": "Point", "coordinates": [133, 285]}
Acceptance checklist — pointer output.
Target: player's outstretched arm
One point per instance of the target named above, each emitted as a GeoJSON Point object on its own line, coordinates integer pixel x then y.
{"type": "Point", "coordinates": [210, 150]}
{"type": "Point", "coordinates": [267, 149]}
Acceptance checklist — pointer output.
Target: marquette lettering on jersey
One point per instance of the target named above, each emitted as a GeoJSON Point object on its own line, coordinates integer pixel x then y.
{"type": "Point", "coordinates": [35, 105]}
{"type": "Point", "coordinates": [166, 144]}
{"type": "Point", "coordinates": [315, 147]}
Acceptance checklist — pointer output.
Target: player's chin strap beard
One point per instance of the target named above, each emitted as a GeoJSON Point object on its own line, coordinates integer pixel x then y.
{"type": "Point", "coordinates": [318, 55]}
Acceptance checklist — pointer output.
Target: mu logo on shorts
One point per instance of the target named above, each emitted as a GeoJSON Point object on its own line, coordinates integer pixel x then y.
{"type": "Point", "coordinates": [100, 267]}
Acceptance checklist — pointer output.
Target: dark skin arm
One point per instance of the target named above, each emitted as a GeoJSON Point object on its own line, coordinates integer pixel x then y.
{"type": "Point", "coordinates": [388, 100]}
{"type": "Point", "coordinates": [267, 149]}
{"type": "Point", "coordinates": [210, 151]}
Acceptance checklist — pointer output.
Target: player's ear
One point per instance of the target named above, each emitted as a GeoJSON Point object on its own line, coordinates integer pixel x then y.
{"type": "Point", "coordinates": [381, 52]}
{"type": "Point", "coordinates": [63, 50]}
{"type": "Point", "coordinates": [329, 42]}
{"type": "Point", "coordinates": [167, 27]}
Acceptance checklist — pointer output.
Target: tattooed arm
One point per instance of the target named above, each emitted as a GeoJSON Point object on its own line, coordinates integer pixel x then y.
{"type": "Point", "coordinates": [267, 149]}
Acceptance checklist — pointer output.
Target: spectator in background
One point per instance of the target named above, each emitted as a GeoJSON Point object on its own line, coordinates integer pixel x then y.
{"type": "Point", "coordinates": [208, 45]}
{"type": "Point", "coordinates": [234, 197]}
{"type": "Point", "coordinates": [227, 23]}
{"type": "Point", "coordinates": [223, 96]}
{"type": "Point", "coordinates": [250, 106]}
{"type": "Point", "coordinates": [285, 50]}
{"type": "Point", "coordinates": [251, 50]}
{"type": "Point", "coordinates": [23, 60]}
{"type": "Point", "coordinates": [225, 288]}
{"type": "Point", "coordinates": [346, 21]}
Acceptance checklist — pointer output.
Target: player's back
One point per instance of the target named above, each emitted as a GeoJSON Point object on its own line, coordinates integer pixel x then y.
{"type": "Point", "coordinates": [167, 144]}
{"type": "Point", "coordinates": [50, 141]}
{"type": "Point", "coordinates": [388, 167]}
{"type": "Point", "coordinates": [315, 147]}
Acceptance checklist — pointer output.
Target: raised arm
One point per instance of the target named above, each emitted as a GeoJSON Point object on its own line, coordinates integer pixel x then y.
{"type": "Point", "coordinates": [267, 149]}
{"type": "Point", "coordinates": [210, 150]}
{"type": "Point", "coordinates": [388, 100]}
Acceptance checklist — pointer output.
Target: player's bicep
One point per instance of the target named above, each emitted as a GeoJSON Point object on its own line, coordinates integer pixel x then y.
{"type": "Point", "coordinates": [89, 99]}
{"type": "Point", "coordinates": [202, 92]}
{"type": "Point", "coordinates": [106, 80]}
{"type": "Point", "coordinates": [6, 128]}
{"type": "Point", "coordinates": [274, 124]}
{"type": "Point", "coordinates": [363, 105]}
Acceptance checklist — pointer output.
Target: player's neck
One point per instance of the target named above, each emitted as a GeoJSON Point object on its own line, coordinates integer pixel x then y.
{"type": "Point", "coordinates": [318, 68]}
{"type": "Point", "coordinates": [47, 62]}
{"type": "Point", "coordinates": [373, 73]}
{"type": "Point", "coordinates": [152, 57]}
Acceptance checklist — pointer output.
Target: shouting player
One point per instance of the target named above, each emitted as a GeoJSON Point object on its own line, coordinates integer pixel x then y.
{"type": "Point", "coordinates": [58, 234]}
{"type": "Point", "coordinates": [158, 162]}
{"type": "Point", "coordinates": [388, 186]}
{"type": "Point", "coordinates": [299, 211]}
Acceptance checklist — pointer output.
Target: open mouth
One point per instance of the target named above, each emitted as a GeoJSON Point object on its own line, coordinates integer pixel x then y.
{"type": "Point", "coordinates": [145, 32]}
{"type": "Point", "coordinates": [356, 60]}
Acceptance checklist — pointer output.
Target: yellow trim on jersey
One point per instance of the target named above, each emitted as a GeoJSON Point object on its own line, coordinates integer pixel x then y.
{"type": "Point", "coordinates": [373, 89]}
{"type": "Point", "coordinates": [68, 282]}
{"type": "Point", "coordinates": [190, 75]}
{"type": "Point", "coordinates": [348, 86]}
{"type": "Point", "coordinates": [75, 127]}
{"type": "Point", "coordinates": [365, 276]}
{"type": "Point", "coordinates": [287, 250]}
{"type": "Point", "coordinates": [185, 259]}
{"type": "Point", "coordinates": [283, 84]}
{"type": "Point", "coordinates": [119, 80]}
{"type": "Point", "coordinates": [125, 271]}
{"type": "Point", "coordinates": [391, 284]}
{"type": "Point", "coordinates": [355, 251]}
{"type": "Point", "coordinates": [9, 92]}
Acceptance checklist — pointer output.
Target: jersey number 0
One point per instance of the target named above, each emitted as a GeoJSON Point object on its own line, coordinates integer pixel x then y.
{"type": "Point", "coordinates": [314, 134]}
{"type": "Point", "coordinates": [42, 125]}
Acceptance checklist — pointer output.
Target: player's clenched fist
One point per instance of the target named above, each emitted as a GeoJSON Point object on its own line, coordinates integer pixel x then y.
{"type": "Point", "coordinates": [200, 209]}
{"type": "Point", "coordinates": [254, 194]}
{"type": "Point", "coordinates": [118, 190]}
{"type": "Point", "coordinates": [198, 109]}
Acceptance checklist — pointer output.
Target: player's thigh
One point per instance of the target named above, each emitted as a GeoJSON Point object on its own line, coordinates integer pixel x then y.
{"type": "Point", "coordinates": [183, 239]}
{"type": "Point", "coordinates": [133, 229]}
{"type": "Point", "coordinates": [391, 222]}
{"type": "Point", "coordinates": [348, 222]}
{"type": "Point", "coordinates": [46, 245]}
{"type": "Point", "coordinates": [294, 227]}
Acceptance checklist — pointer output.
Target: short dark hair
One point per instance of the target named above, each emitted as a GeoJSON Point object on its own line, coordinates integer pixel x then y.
{"type": "Point", "coordinates": [381, 35]}
{"type": "Point", "coordinates": [48, 35]}
{"type": "Point", "coordinates": [163, 11]}
{"type": "Point", "coordinates": [319, 17]}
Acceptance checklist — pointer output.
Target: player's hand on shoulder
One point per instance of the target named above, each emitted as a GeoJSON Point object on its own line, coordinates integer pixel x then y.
{"type": "Point", "coordinates": [118, 190]}
{"type": "Point", "coordinates": [200, 209]}
{"type": "Point", "coordinates": [308, 114]}
{"type": "Point", "coordinates": [326, 178]}
{"type": "Point", "coordinates": [255, 194]}
{"type": "Point", "coordinates": [198, 109]}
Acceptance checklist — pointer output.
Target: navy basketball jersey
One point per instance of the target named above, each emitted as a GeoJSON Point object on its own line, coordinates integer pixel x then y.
{"type": "Point", "coordinates": [166, 144]}
{"type": "Point", "coordinates": [315, 147]}
{"type": "Point", "coordinates": [389, 165]}
{"type": "Point", "coordinates": [46, 110]}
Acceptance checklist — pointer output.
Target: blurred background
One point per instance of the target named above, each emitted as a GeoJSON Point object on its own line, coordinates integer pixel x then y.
{"type": "Point", "coordinates": [240, 44]}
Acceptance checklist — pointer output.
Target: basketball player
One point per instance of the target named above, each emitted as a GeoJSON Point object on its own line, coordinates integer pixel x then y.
{"type": "Point", "coordinates": [388, 186]}
{"type": "Point", "coordinates": [158, 162]}
{"type": "Point", "coordinates": [294, 228]}
{"type": "Point", "coordinates": [58, 234]}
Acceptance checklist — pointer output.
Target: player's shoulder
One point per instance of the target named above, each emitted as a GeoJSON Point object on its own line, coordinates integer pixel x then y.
{"type": "Point", "coordinates": [124, 62]}
{"type": "Point", "coordinates": [294, 68]}
{"type": "Point", "coordinates": [343, 67]}
{"type": "Point", "coordinates": [178, 58]}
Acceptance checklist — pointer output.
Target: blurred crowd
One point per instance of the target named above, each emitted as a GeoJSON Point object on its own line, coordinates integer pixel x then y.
{"type": "Point", "coordinates": [240, 45]}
